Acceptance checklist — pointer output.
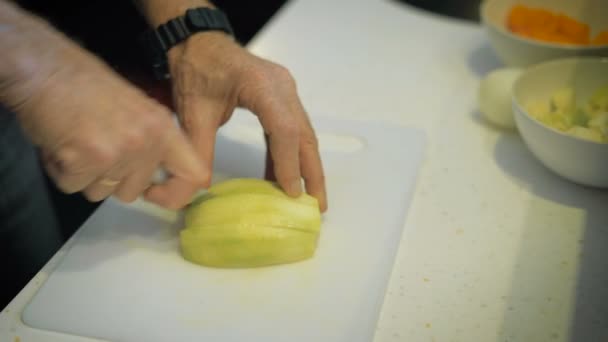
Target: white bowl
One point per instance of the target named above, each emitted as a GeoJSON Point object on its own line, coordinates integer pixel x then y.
{"type": "Point", "coordinates": [581, 161]}
{"type": "Point", "coordinates": [518, 51]}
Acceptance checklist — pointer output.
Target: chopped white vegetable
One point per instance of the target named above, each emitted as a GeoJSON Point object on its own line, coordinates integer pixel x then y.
{"type": "Point", "coordinates": [495, 96]}
{"type": "Point", "coordinates": [589, 121]}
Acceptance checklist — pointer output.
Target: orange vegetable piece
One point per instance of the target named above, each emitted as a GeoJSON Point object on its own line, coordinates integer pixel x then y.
{"type": "Point", "coordinates": [544, 25]}
{"type": "Point", "coordinates": [529, 20]}
{"type": "Point", "coordinates": [577, 33]}
{"type": "Point", "coordinates": [601, 39]}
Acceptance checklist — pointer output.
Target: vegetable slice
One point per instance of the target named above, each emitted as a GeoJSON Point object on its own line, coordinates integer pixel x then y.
{"type": "Point", "coordinates": [254, 208]}
{"type": "Point", "coordinates": [255, 186]}
{"type": "Point", "coordinates": [250, 223]}
{"type": "Point", "coordinates": [239, 246]}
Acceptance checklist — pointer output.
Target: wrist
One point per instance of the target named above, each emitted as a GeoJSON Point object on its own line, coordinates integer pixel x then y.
{"type": "Point", "coordinates": [202, 43]}
{"type": "Point", "coordinates": [198, 24]}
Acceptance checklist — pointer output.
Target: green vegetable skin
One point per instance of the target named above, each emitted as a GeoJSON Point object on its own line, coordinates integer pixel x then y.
{"type": "Point", "coordinates": [588, 122]}
{"type": "Point", "coordinates": [250, 223]}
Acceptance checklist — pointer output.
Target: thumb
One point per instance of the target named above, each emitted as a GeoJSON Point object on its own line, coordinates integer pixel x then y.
{"type": "Point", "coordinates": [201, 117]}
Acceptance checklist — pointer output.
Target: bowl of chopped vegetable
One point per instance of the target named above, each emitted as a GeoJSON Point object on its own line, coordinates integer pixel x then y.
{"type": "Point", "coordinates": [526, 32]}
{"type": "Point", "coordinates": [561, 112]}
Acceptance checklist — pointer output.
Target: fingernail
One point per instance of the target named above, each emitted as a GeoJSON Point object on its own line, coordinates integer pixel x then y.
{"type": "Point", "coordinates": [295, 189]}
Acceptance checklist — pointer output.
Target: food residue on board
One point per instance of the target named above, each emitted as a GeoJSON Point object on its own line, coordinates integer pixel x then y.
{"type": "Point", "coordinates": [547, 26]}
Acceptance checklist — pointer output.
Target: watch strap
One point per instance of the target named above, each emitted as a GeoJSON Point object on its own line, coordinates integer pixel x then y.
{"type": "Point", "coordinates": [160, 40]}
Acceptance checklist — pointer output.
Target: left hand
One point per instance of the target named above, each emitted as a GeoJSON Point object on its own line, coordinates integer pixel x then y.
{"type": "Point", "coordinates": [212, 75]}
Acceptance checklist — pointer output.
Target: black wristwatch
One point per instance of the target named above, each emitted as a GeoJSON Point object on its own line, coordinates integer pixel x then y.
{"type": "Point", "coordinates": [157, 42]}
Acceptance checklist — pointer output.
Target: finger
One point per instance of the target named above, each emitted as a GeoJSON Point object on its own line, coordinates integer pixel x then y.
{"type": "Point", "coordinates": [137, 182]}
{"type": "Point", "coordinates": [106, 184]}
{"type": "Point", "coordinates": [188, 175]}
{"type": "Point", "coordinates": [201, 118]}
{"type": "Point", "coordinates": [311, 167]}
{"type": "Point", "coordinates": [269, 165]}
{"type": "Point", "coordinates": [283, 142]}
{"type": "Point", "coordinates": [175, 193]}
{"type": "Point", "coordinates": [143, 164]}
{"type": "Point", "coordinates": [103, 187]}
{"type": "Point", "coordinates": [181, 161]}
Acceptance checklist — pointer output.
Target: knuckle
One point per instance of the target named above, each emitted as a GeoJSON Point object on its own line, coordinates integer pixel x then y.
{"type": "Point", "coordinates": [282, 74]}
{"type": "Point", "coordinates": [62, 167]}
{"type": "Point", "coordinates": [134, 139]}
{"type": "Point", "coordinates": [268, 85]}
{"type": "Point", "coordinates": [90, 153]}
{"type": "Point", "coordinates": [271, 75]}
{"type": "Point", "coordinates": [67, 160]}
{"type": "Point", "coordinates": [102, 156]}
{"type": "Point", "coordinates": [310, 140]}
{"type": "Point", "coordinates": [319, 179]}
{"type": "Point", "coordinates": [258, 77]}
{"type": "Point", "coordinates": [289, 128]}
{"type": "Point", "coordinates": [203, 181]}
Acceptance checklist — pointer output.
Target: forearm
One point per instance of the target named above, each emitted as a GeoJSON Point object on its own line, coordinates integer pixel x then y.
{"type": "Point", "coordinates": [29, 45]}
{"type": "Point", "coordinates": [158, 12]}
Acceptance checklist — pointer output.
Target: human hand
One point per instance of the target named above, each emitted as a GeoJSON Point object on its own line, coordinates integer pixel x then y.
{"type": "Point", "coordinates": [212, 75]}
{"type": "Point", "coordinates": [97, 133]}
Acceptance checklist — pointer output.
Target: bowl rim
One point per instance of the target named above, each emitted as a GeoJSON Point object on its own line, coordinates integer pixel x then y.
{"type": "Point", "coordinates": [518, 108]}
{"type": "Point", "coordinates": [483, 9]}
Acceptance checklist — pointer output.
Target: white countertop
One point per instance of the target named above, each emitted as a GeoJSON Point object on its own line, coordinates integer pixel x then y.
{"type": "Point", "coordinates": [496, 248]}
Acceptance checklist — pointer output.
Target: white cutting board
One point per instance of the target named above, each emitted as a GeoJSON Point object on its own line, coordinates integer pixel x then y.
{"type": "Point", "coordinates": [124, 280]}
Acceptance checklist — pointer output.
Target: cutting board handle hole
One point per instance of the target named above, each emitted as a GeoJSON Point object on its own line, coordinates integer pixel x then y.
{"type": "Point", "coordinates": [340, 143]}
{"type": "Point", "coordinates": [329, 142]}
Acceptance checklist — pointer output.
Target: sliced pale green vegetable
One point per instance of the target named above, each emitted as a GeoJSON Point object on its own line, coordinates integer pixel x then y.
{"type": "Point", "coordinates": [255, 186]}
{"type": "Point", "coordinates": [238, 246]}
{"type": "Point", "coordinates": [250, 223]}
{"type": "Point", "coordinates": [254, 209]}
{"type": "Point", "coordinates": [246, 185]}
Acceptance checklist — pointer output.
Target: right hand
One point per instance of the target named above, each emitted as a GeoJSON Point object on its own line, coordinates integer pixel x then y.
{"type": "Point", "coordinates": [97, 133]}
